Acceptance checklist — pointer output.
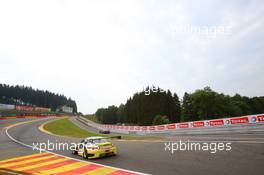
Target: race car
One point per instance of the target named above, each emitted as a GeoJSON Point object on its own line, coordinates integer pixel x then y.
{"type": "Point", "coordinates": [104, 131]}
{"type": "Point", "coordinates": [95, 147]}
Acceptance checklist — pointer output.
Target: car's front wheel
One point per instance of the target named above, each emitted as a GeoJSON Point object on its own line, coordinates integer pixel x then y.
{"type": "Point", "coordinates": [113, 154]}
{"type": "Point", "coordinates": [74, 152]}
{"type": "Point", "coordinates": [85, 154]}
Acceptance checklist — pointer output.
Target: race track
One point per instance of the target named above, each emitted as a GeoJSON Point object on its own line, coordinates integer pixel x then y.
{"type": "Point", "coordinates": [245, 157]}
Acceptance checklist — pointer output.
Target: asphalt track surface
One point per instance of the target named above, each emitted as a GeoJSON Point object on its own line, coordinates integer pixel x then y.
{"type": "Point", "coordinates": [245, 157]}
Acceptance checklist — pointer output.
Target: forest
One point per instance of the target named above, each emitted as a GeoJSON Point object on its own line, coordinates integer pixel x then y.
{"type": "Point", "coordinates": [23, 95]}
{"type": "Point", "coordinates": [161, 107]}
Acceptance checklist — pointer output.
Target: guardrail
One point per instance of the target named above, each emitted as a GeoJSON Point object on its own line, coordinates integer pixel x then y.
{"type": "Point", "coordinates": [89, 123]}
{"type": "Point", "coordinates": [235, 124]}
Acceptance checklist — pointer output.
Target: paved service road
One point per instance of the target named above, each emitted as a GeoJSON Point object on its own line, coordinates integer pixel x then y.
{"type": "Point", "coordinates": [245, 157]}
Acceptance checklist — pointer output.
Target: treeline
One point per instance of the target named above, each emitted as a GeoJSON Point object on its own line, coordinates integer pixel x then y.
{"type": "Point", "coordinates": [23, 95]}
{"type": "Point", "coordinates": [206, 104]}
{"type": "Point", "coordinates": [158, 107]}
{"type": "Point", "coordinates": [143, 107]}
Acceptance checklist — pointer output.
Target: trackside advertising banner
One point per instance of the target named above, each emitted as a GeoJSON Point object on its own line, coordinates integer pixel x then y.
{"type": "Point", "coordinates": [225, 122]}
{"type": "Point", "coordinates": [30, 116]}
{"type": "Point", "coordinates": [7, 106]}
{"type": "Point", "coordinates": [24, 108]}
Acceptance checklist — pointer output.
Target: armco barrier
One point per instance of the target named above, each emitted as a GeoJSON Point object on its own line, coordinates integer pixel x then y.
{"type": "Point", "coordinates": [235, 124]}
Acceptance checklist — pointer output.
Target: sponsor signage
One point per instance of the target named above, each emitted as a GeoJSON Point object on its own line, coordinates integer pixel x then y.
{"type": "Point", "coordinates": [260, 118]}
{"type": "Point", "coordinates": [151, 128]}
{"type": "Point", "coordinates": [40, 109]}
{"type": "Point", "coordinates": [171, 126]}
{"type": "Point", "coordinates": [240, 120]}
{"type": "Point", "coordinates": [216, 122]}
{"type": "Point", "coordinates": [7, 106]}
{"type": "Point", "coordinates": [137, 128]}
{"type": "Point", "coordinates": [144, 128]}
{"type": "Point", "coordinates": [24, 108]}
{"type": "Point", "coordinates": [198, 124]}
{"type": "Point", "coordinates": [184, 125]}
{"type": "Point", "coordinates": [161, 127]}
{"type": "Point", "coordinates": [195, 124]}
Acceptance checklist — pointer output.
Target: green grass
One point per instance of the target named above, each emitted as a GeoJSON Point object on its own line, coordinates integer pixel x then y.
{"type": "Point", "coordinates": [65, 127]}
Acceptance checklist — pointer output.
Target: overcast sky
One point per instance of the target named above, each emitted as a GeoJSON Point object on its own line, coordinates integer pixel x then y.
{"type": "Point", "coordinates": [101, 52]}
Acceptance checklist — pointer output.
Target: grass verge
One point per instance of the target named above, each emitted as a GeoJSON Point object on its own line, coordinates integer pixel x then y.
{"type": "Point", "coordinates": [65, 127]}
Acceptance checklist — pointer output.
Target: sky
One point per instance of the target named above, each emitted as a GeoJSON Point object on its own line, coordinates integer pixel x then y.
{"type": "Point", "coordinates": [100, 53]}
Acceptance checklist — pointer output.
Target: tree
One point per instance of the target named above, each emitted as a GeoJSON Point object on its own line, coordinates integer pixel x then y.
{"type": "Point", "coordinates": [121, 117]}
{"type": "Point", "coordinates": [141, 108]}
{"type": "Point", "coordinates": [23, 95]}
{"type": "Point", "coordinates": [187, 108]}
{"type": "Point", "coordinates": [159, 120]}
{"type": "Point", "coordinates": [203, 104]}
{"type": "Point", "coordinates": [177, 108]}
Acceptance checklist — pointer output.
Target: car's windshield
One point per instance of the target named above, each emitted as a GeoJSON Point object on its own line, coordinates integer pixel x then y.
{"type": "Point", "coordinates": [98, 140]}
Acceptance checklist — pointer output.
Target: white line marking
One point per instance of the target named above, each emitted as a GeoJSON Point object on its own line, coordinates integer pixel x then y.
{"type": "Point", "coordinates": [29, 146]}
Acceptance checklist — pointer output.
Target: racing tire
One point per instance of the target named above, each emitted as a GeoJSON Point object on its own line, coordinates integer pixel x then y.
{"type": "Point", "coordinates": [85, 154]}
{"type": "Point", "coordinates": [113, 154]}
{"type": "Point", "coordinates": [74, 152]}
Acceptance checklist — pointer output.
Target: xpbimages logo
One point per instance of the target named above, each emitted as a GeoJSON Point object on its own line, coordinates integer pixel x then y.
{"type": "Point", "coordinates": [53, 146]}
{"type": "Point", "coordinates": [212, 147]}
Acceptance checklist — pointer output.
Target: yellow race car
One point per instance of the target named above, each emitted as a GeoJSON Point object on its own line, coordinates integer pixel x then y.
{"type": "Point", "coordinates": [95, 147]}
